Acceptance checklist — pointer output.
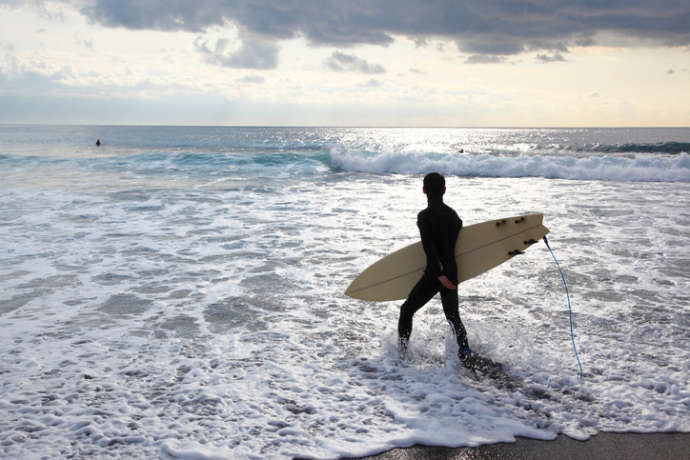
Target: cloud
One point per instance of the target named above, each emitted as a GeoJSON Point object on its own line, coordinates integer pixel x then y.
{"type": "Point", "coordinates": [500, 27]}
{"type": "Point", "coordinates": [373, 83]}
{"type": "Point", "coordinates": [253, 53]}
{"type": "Point", "coordinates": [32, 97]}
{"type": "Point", "coordinates": [9, 64]}
{"type": "Point", "coordinates": [252, 79]}
{"type": "Point", "coordinates": [556, 57]}
{"type": "Point", "coordinates": [485, 59]}
{"type": "Point", "coordinates": [83, 42]}
{"type": "Point", "coordinates": [341, 62]}
{"type": "Point", "coordinates": [157, 14]}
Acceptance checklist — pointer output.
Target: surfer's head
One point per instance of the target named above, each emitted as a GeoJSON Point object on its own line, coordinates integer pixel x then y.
{"type": "Point", "coordinates": [434, 185]}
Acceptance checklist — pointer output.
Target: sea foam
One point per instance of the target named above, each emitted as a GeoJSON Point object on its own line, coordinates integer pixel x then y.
{"type": "Point", "coordinates": [176, 296]}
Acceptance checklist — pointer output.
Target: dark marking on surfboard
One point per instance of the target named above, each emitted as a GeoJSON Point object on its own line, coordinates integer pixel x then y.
{"type": "Point", "coordinates": [515, 252]}
{"type": "Point", "coordinates": [529, 242]}
{"type": "Point", "coordinates": [520, 220]}
{"type": "Point", "coordinates": [501, 222]}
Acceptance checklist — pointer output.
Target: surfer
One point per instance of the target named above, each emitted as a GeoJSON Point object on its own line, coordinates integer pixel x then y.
{"type": "Point", "coordinates": [439, 226]}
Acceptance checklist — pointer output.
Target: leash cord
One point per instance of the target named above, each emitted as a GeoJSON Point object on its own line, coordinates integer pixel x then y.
{"type": "Point", "coordinates": [570, 310]}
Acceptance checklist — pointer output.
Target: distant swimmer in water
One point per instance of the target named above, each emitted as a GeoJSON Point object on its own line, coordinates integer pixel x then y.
{"type": "Point", "coordinates": [98, 142]}
{"type": "Point", "coordinates": [461, 151]}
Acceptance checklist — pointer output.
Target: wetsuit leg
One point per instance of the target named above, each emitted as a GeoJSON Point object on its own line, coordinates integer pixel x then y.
{"type": "Point", "coordinates": [449, 299]}
{"type": "Point", "coordinates": [423, 291]}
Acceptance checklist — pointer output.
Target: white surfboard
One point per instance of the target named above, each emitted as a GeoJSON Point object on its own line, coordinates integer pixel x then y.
{"type": "Point", "coordinates": [479, 248]}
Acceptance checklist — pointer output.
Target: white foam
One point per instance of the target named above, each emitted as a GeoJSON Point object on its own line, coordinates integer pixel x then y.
{"type": "Point", "coordinates": [160, 317]}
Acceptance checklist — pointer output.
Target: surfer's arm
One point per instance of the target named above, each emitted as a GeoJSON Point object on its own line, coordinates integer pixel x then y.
{"type": "Point", "coordinates": [447, 283]}
{"type": "Point", "coordinates": [433, 262]}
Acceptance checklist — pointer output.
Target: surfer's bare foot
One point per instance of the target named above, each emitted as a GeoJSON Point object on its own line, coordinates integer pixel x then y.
{"type": "Point", "coordinates": [465, 355]}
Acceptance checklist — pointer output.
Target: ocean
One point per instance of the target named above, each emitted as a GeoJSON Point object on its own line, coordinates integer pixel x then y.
{"type": "Point", "coordinates": [177, 292]}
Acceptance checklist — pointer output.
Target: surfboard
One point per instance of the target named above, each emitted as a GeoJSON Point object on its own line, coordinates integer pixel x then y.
{"type": "Point", "coordinates": [480, 247]}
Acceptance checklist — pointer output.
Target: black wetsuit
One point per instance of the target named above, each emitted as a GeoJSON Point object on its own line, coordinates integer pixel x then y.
{"type": "Point", "coordinates": [439, 226]}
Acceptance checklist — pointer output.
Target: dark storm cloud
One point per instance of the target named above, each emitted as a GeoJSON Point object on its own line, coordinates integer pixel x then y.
{"type": "Point", "coordinates": [341, 62]}
{"type": "Point", "coordinates": [497, 27]}
{"type": "Point", "coordinates": [156, 14]}
{"type": "Point", "coordinates": [490, 28]}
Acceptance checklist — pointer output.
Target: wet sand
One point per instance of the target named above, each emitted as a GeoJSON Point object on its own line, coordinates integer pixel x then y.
{"type": "Point", "coordinates": [646, 446]}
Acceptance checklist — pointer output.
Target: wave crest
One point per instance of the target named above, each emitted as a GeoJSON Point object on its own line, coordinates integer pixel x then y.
{"type": "Point", "coordinates": [606, 167]}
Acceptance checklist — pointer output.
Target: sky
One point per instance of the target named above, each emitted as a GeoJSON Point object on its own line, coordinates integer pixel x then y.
{"type": "Point", "coordinates": [346, 62]}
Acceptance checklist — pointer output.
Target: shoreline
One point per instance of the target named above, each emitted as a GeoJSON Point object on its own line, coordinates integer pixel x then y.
{"type": "Point", "coordinates": [608, 445]}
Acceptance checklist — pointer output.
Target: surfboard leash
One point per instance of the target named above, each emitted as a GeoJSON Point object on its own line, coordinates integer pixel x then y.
{"type": "Point", "coordinates": [570, 310]}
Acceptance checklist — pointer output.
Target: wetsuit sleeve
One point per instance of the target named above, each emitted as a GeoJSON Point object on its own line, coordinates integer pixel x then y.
{"type": "Point", "coordinates": [433, 262]}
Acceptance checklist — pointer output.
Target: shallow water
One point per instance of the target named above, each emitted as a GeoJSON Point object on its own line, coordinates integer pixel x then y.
{"type": "Point", "coordinates": [183, 297]}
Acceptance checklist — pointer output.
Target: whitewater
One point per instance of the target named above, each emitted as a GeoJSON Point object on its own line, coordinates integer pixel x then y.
{"type": "Point", "coordinates": [177, 292]}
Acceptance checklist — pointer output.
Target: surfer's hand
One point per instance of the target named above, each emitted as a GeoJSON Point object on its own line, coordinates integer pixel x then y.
{"type": "Point", "coordinates": [446, 282]}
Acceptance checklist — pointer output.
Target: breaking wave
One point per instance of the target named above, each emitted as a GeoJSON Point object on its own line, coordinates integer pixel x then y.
{"type": "Point", "coordinates": [605, 167]}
